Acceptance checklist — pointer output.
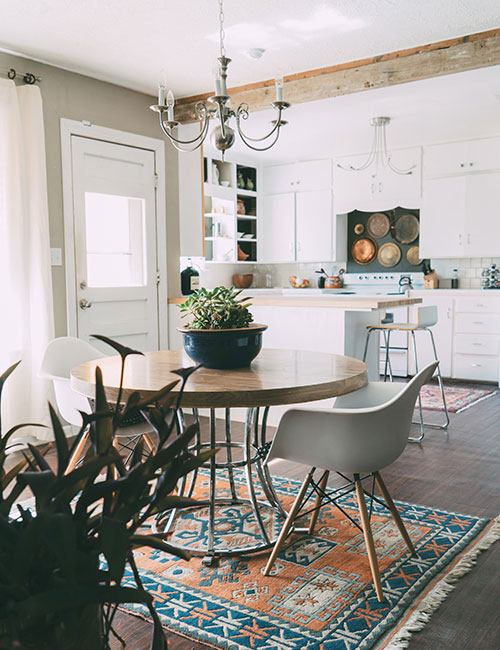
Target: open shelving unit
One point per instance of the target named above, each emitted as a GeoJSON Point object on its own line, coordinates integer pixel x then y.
{"type": "Point", "coordinates": [230, 211]}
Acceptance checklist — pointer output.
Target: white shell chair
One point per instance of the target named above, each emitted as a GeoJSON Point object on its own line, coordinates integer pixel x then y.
{"type": "Point", "coordinates": [366, 431]}
{"type": "Point", "coordinates": [63, 354]}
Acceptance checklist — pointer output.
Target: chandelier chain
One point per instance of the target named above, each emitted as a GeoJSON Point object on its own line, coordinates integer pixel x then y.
{"type": "Point", "coordinates": [222, 33]}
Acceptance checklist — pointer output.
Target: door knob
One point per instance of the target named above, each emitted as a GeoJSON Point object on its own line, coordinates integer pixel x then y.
{"type": "Point", "coordinates": [85, 304]}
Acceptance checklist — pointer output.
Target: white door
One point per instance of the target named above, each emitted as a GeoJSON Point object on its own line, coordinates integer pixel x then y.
{"type": "Point", "coordinates": [278, 228]}
{"type": "Point", "coordinates": [313, 225]}
{"type": "Point", "coordinates": [114, 212]}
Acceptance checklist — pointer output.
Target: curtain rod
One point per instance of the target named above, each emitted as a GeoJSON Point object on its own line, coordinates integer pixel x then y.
{"type": "Point", "coordinates": [28, 77]}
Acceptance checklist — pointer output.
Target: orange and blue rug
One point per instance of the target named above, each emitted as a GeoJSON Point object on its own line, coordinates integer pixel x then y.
{"type": "Point", "coordinates": [458, 398]}
{"type": "Point", "coordinates": [320, 596]}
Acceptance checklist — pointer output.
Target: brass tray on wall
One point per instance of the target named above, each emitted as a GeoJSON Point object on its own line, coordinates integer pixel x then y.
{"type": "Point", "coordinates": [389, 254]}
{"type": "Point", "coordinates": [378, 224]}
{"type": "Point", "coordinates": [406, 228]}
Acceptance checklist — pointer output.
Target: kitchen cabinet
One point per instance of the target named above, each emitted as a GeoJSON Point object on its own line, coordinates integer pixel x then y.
{"type": "Point", "coordinates": [301, 227]}
{"type": "Point", "coordinates": [366, 191]}
{"type": "Point", "coordinates": [313, 226]}
{"type": "Point", "coordinates": [278, 228]}
{"type": "Point", "coordinates": [477, 337]}
{"type": "Point", "coordinates": [460, 157]}
{"type": "Point", "coordinates": [298, 176]}
{"type": "Point", "coordinates": [460, 215]}
{"type": "Point", "coordinates": [443, 333]}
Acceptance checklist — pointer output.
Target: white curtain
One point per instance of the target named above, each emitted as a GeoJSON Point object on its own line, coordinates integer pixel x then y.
{"type": "Point", "coordinates": [26, 308]}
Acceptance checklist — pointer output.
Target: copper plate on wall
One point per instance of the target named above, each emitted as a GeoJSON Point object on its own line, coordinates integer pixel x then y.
{"type": "Point", "coordinates": [364, 250]}
{"type": "Point", "coordinates": [359, 229]}
{"type": "Point", "coordinates": [406, 229]}
{"type": "Point", "coordinates": [378, 224]}
{"type": "Point", "coordinates": [389, 255]}
{"type": "Point", "coordinates": [413, 256]}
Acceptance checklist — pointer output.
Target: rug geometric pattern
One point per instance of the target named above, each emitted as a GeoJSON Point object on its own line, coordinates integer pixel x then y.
{"type": "Point", "coordinates": [320, 595]}
{"type": "Point", "coordinates": [457, 398]}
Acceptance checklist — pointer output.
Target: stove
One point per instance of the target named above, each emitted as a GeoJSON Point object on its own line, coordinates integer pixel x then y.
{"type": "Point", "coordinates": [389, 284]}
{"type": "Point", "coordinates": [382, 283]}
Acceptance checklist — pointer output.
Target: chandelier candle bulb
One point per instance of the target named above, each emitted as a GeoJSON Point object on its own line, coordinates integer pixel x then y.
{"type": "Point", "coordinates": [218, 81]}
{"type": "Point", "coordinates": [170, 106]}
{"type": "Point", "coordinates": [279, 89]}
{"type": "Point", "coordinates": [161, 95]}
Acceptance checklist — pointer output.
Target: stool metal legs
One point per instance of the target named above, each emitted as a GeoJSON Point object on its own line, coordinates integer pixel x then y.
{"type": "Point", "coordinates": [441, 387]}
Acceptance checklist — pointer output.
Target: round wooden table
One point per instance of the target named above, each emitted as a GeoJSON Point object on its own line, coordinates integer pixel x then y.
{"type": "Point", "coordinates": [275, 377]}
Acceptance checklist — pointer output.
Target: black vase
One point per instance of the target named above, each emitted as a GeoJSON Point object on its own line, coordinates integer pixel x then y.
{"type": "Point", "coordinates": [223, 349]}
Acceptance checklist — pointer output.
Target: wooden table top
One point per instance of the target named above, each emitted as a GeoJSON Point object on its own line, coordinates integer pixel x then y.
{"type": "Point", "coordinates": [275, 377]}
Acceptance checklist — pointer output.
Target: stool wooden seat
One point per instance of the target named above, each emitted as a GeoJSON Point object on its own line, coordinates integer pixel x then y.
{"type": "Point", "coordinates": [427, 317]}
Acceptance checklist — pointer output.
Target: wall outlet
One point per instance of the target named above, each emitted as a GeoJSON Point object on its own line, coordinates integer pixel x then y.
{"type": "Point", "coordinates": [56, 257]}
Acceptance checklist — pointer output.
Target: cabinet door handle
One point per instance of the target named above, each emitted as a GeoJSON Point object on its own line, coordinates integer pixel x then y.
{"type": "Point", "coordinates": [372, 188]}
{"type": "Point", "coordinates": [476, 365]}
{"type": "Point", "coordinates": [478, 345]}
{"type": "Point", "coordinates": [462, 164]}
{"type": "Point", "coordinates": [448, 313]}
{"type": "Point", "coordinates": [471, 164]}
{"type": "Point", "coordinates": [468, 237]}
{"type": "Point", "coordinates": [459, 238]}
{"type": "Point", "coordinates": [298, 246]}
{"type": "Point", "coordinates": [298, 182]}
{"type": "Point", "coordinates": [380, 187]}
{"type": "Point", "coordinates": [478, 322]}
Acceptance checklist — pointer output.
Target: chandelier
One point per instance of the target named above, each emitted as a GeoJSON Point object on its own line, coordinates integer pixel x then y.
{"type": "Point", "coordinates": [219, 107]}
{"type": "Point", "coordinates": [378, 154]}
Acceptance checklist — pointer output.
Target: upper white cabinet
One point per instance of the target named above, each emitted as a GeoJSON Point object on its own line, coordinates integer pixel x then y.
{"type": "Point", "coordinates": [461, 157]}
{"type": "Point", "coordinates": [313, 226]}
{"type": "Point", "coordinates": [362, 190]}
{"type": "Point", "coordinates": [278, 228]}
{"type": "Point", "coordinates": [460, 214]}
{"type": "Point", "coordinates": [298, 176]}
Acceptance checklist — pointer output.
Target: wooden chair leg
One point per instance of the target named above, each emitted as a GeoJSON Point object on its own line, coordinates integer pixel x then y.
{"type": "Point", "coordinates": [394, 512]}
{"type": "Point", "coordinates": [370, 545]}
{"type": "Point", "coordinates": [317, 503]}
{"type": "Point", "coordinates": [288, 524]}
{"type": "Point", "coordinates": [77, 454]}
{"type": "Point", "coordinates": [149, 442]}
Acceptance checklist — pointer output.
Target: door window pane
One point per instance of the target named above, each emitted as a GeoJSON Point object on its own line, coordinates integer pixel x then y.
{"type": "Point", "coordinates": [115, 236]}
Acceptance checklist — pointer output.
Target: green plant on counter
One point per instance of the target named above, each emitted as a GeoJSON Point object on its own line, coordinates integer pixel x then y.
{"type": "Point", "coordinates": [55, 591]}
{"type": "Point", "coordinates": [218, 309]}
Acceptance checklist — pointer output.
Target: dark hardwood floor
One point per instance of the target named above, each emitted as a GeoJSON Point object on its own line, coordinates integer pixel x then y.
{"type": "Point", "coordinates": [459, 471]}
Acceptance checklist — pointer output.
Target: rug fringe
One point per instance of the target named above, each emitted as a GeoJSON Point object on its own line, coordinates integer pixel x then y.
{"type": "Point", "coordinates": [442, 589]}
{"type": "Point", "coordinates": [481, 399]}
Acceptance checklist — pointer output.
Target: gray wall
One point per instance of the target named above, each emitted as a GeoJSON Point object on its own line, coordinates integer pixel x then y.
{"type": "Point", "coordinates": [77, 97]}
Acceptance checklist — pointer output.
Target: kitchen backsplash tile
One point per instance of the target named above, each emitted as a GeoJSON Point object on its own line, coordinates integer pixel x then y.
{"type": "Point", "coordinates": [211, 275]}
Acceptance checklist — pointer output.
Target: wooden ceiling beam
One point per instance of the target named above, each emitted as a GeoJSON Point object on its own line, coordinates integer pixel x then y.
{"type": "Point", "coordinates": [433, 60]}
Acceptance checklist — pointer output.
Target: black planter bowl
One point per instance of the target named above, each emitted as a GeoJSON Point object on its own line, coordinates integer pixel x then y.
{"type": "Point", "coordinates": [222, 349]}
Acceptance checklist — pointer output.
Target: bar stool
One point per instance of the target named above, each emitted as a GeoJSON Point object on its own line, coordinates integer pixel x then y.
{"type": "Point", "coordinates": [427, 317]}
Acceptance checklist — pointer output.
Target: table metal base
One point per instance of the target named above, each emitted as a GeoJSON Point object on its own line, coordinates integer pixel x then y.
{"type": "Point", "coordinates": [227, 523]}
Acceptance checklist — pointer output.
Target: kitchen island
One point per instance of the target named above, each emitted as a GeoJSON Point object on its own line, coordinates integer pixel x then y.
{"type": "Point", "coordinates": [315, 322]}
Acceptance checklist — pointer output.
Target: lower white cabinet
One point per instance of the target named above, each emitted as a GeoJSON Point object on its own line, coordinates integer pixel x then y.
{"type": "Point", "coordinates": [477, 337]}
{"type": "Point", "coordinates": [277, 228]}
{"type": "Point", "coordinates": [467, 334]}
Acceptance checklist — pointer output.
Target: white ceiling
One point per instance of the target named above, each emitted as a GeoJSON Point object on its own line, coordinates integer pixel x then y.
{"type": "Point", "coordinates": [129, 42]}
{"type": "Point", "coordinates": [452, 107]}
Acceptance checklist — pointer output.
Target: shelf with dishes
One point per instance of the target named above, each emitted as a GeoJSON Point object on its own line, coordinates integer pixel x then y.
{"type": "Point", "coordinates": [230, 211]}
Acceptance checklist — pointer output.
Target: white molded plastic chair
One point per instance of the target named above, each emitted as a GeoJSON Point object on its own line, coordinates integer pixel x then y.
{"type": "Point", "coordinates": [63, 354]}
{"type": "Point", "coordinates": [366, 431]}
{"type": "Point", "coordinates": [427, 317]}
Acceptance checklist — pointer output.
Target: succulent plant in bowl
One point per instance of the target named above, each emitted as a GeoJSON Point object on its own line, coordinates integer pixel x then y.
{"type": "Point", "coordinates": [221, 333]}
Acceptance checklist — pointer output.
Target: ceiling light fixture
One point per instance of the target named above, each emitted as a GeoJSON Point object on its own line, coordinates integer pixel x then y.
{"type": "Point", "coordinates": [219, 106]}
{"type": "Point", "coordinates": [378, 154]}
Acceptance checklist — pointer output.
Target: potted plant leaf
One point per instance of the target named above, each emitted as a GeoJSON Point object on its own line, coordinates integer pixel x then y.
{"type": "Point", "coordinates": [63, 556]}
{"type": "Point", "coordinates": [221, 333]}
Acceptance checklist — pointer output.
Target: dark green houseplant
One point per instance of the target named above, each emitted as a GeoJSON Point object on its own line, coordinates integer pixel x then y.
{"type": "Point", "coordinates": [62, 559]}
{"type": "Point", "coordinates": [220, 333]}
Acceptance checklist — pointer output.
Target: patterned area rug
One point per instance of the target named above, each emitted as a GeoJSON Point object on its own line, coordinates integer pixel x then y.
{"type": "Point", "coordinates": [457, 398]}
{"type": "Point", "coordinates": [320, 596]}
